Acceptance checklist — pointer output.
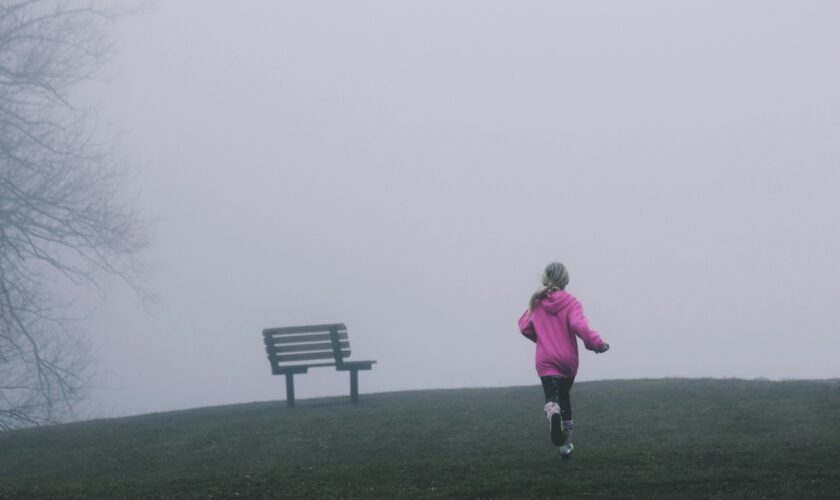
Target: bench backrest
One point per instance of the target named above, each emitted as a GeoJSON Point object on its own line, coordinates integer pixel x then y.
{"type": "Point", "coordinates": [300, 345]}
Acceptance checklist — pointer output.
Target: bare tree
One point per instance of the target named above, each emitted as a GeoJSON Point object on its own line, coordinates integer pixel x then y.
{"type": "Point", "coordinates": [62, 222]}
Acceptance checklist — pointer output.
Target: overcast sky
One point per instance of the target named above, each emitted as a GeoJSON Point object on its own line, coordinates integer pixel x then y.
{"type": "Point", "coordinates": [409, 168]}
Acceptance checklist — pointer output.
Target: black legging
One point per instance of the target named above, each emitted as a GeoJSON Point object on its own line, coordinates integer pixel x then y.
{"type": "Point", "coordinates": [557, 391]}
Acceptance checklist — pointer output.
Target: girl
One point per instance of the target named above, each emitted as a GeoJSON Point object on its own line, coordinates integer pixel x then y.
{"type": "Point", "coordinates": [552, 320]}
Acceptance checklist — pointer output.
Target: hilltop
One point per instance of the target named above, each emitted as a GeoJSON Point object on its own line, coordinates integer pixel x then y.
{"type": "Point", "coordinates": [634, 438]}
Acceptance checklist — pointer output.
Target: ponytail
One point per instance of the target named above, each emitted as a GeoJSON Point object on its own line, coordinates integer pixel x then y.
{"type": "Point", "coordinates": [555, 278]}
{"type": "Point", "coordinates": [540, 294]}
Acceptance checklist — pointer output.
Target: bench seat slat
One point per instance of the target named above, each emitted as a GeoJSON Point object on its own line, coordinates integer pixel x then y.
{"type": "Point", "coordinates": [304, 329]}
{"type": "Point", "coordinates": [292, 339]}
{"type": "Point", "coordinates": [320, 346]}
{"type": "Point", "coordinates": [306, 356]}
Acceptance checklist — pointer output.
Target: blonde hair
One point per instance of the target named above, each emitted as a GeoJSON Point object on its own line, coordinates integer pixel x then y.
{"type": "Point", "coordinates": [555, 277]}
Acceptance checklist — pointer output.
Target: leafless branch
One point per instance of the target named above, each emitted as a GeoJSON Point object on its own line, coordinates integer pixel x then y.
{"type": "Point", "coordinates": [62, 219]}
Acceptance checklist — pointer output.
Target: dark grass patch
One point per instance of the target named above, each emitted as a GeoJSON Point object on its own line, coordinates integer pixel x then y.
{"type": "Point", "coordinates": [668, 438]}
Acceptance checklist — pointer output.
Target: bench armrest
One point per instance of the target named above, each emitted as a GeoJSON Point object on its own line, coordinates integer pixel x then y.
{"type": "Point", "coordinates": [355, 365]}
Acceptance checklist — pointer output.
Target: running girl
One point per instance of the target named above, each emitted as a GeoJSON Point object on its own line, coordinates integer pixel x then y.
{"type": "Point", "coordinates": [553, 319]}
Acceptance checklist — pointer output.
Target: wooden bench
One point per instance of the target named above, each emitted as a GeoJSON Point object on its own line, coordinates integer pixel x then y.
{"type": "Point", "coordinates": [291, 350]}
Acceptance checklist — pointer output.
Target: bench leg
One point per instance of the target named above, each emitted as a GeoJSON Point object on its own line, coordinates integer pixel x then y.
{"type": "Point", "coordinates": [290, 390]}
{"type": "Point", "coordinates": [354, 386]}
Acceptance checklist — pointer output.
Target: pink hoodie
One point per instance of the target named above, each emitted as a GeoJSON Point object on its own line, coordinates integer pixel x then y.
{"type": "Point", "coordinates": [553, 324]}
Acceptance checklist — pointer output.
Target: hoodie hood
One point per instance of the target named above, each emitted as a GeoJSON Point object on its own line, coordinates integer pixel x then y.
{"type": "Point", "coordinates": [557, 301]}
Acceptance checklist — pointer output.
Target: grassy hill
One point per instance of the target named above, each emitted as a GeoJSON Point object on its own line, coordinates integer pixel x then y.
{"type": "Point", "coordinates": [671, 438]}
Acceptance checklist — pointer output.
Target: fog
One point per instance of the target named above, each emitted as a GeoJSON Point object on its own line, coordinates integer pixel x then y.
{"type": "Point", "coordinates": [409, 168]}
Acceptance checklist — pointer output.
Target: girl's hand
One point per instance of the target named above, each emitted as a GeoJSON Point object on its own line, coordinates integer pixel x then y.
{"type": "Point", "coordinates": [604, 348]}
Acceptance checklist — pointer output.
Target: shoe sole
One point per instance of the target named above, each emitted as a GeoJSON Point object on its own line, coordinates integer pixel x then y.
{"type": "Point", "coordinates": [557, 436]}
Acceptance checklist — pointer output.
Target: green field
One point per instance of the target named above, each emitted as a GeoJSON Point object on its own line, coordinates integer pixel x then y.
{"type": "Point", "coordinates": [667, 438]}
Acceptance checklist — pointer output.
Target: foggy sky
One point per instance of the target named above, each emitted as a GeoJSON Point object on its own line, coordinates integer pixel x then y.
{"type": "Point", "coordinates": [408, 168]}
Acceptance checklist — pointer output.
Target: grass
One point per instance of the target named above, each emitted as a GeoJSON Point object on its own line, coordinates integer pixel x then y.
{"type": "Point", "coordinates": [670, 438]}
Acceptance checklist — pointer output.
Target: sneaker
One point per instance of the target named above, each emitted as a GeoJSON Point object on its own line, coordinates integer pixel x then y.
{"type": "Point", "coordinates": [567, 447]}
{"type": "Point", "coordinates": [555, 423]}
{"type": "Point", "coordinates": [566, 451]}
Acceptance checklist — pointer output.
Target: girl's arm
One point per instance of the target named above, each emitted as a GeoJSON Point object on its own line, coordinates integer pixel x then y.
{"type": "Point", "coordinates": [526, 326]}
{"type": "Point", "coordinates": [580, 326]}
